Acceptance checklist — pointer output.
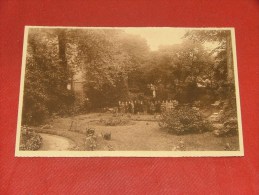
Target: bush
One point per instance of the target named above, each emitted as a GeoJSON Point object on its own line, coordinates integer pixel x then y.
{"type": "Point", "coordinates": [34, 113]}
{"type": "Point", "coordinates": [229, 128]}
{"type": "Point", "coordinates": [90, 131]}
{"type": "Point", "coordinates": [229, 119]}
{"type": "Point", "coordinates": [107, 136]}
{"type": "Point", "coordinates": [91, 142]}
{"type": "Point", "coordinates": [30, 140]}
{"type": "Point", "coordinates": [184, 120]}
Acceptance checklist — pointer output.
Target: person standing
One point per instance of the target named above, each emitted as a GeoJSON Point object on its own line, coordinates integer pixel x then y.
{"type": "Point", "coordinates": [145, 106]}
{"type": "Point", "coordinates": [133, 107]}
{"type": "Point", "coordinates": [171, 105]}
{"type": "Point", "coordinates": [119, 106]}
{"type": "Point", "coordinates": [122, 107]}
{"type": "Point", "coordinates": [126, 107]}
{"type": "Point", "coordinates": [141, 107]}
{"type": "Point", "coordinates": [158, 106]}
{"type": "Point", "coordinates": [130, 107]}
{"type": "Point", "coordinates": [163, 106]}
{"type": "Point", "coordinates": [167, 106]}
{"type": "Point", "coordinates": [152, 108]}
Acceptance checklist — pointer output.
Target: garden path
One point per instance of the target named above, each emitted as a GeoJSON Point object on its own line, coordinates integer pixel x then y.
{"type": "Point", "coordinates": [55, 142]}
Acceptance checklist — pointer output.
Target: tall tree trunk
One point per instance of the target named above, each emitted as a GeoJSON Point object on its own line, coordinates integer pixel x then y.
{"type": "Point", "coordinates": [62, 55]}
{"type": "Point", "coordinates": [230, 65]}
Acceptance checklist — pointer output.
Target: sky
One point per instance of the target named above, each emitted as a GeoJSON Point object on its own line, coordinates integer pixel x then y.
{"type": "Point", "coordinates": [159, 36]}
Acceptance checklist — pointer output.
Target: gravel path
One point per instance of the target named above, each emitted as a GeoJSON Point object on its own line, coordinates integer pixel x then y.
{"type": "Point", "coordinates": [54, 142]}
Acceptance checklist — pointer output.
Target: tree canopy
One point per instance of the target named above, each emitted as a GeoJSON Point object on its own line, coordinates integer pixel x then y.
{"type": "Point", "coordinates": [119, 66]}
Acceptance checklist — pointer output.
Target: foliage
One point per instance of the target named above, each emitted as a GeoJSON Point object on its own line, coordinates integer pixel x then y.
{"type": "Point", "coordinates": [175, 70]}
{"type": "Point", "coordinates": [117, 66]}
{"type": "Point", "coordinates": [107, 136]}
{"type": "Point", "coordinates": [102, 64]}
{"type": "Point", "coordinates": [110, 60]}
{"type": "Point", "coordinates": [46, 77]}
{"type": "Point", "coordinates": [229, 128]}
{"type": "Point", "coordinates": [30, 140]}
{"type": "Point", "coordinates": [183, 120]}
{"type": "Point", "coordinates": [115, 121]}
{"type": "Point", "coordinates": [207, 35]}
{"type": "Point", "coordinates": [90, 132]}
{"type": "Point", "coordinates": [223, 51]}
{"type": "Point", "coordinates": [91, 142]}
{"type": "Point", "coordinates": [229, 118]}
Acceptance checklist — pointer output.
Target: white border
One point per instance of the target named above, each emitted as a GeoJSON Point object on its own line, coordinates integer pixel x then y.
{"type": "Point", "coordinates": [19, 153]}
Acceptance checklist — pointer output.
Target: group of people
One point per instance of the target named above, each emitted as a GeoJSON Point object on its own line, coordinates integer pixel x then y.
{"type": "Point", "coordinates": [146, 107]}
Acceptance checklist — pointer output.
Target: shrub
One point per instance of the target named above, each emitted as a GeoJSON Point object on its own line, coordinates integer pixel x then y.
{"type": "Point", "coordinates": [107, 136]}
{"type": "Point", "coordinates": [230, 128]}
{"type": "Point", "coordinates": [91, 139]}
{"type": "Point", "coordinates": [231, 125]}
{"type": "Point", "coordinates": [91, 142]}
{"type": "Point", "coordinates": [34, 114]}
{"type": "Point", "coordinates": [30, 140]}
{"type": "Point", "coordinates": [229, 119]}
{"type": "Point", "coordinates": [90, 132]}
{"type": "Point", "coordinates": [184, 119]}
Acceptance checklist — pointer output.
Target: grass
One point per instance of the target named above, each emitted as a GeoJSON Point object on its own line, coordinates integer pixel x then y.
{"type": "Point", "coordinates": [142, 134]}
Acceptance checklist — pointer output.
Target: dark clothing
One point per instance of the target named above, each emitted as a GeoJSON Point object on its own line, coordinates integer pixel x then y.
{"type": "Point", "coordinates": [158, 107]}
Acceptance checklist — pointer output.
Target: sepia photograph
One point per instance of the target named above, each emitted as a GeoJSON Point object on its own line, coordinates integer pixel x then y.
{"type": "Point", "coordinates": [129, 92]}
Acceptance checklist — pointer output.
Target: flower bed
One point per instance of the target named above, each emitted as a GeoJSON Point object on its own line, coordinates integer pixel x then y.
{"type": "Point", "coordinates": [115, 121]}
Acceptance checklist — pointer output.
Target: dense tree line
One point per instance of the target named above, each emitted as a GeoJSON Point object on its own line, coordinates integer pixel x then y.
{"type": "Point", "coordinates": [120, 66]}
{"type": "Point", "coordinates": [46, 76]}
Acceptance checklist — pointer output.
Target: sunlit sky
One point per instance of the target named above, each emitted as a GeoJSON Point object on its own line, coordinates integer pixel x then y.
{"type": "Point", "coordinates": [159, 36]}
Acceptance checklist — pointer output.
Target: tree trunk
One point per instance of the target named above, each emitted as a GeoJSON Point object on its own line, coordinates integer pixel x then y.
{"type": "Point", "coordinates": [230, 65]}
{"type": "Point", "coordinates": [62, 55]}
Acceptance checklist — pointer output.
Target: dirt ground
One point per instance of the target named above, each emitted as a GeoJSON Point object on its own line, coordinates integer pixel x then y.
{"type": "Point", "coordinates": [142, 133]}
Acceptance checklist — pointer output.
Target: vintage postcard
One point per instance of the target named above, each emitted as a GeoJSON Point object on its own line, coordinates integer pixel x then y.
{"type": "Point", "coordinates": [129, 92]}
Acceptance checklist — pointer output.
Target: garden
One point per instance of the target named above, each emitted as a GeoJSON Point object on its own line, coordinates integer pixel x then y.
{"type": "Point", "coordinates": [181, 130]}
{"type": "Point", "coordinates": [111, 90]}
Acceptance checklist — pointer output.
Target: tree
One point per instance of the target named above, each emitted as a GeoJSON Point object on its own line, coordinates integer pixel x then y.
{"type": "Point", "coordinates": [223, 50]}
{"type": "Point", "coordinates": [45, 77]}
{"type": "Point", "coordinates": [103, 64]}
{"type": "Point", "coordinates": [136, 50]}
{"type": "Point", "coordinates": [223, 68]}
{"type": "Point", "coordinates": [175, 69]}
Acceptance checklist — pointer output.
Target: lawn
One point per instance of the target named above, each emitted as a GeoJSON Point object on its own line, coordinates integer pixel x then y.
{"type": "Point", "coordinates": [141, 133]}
